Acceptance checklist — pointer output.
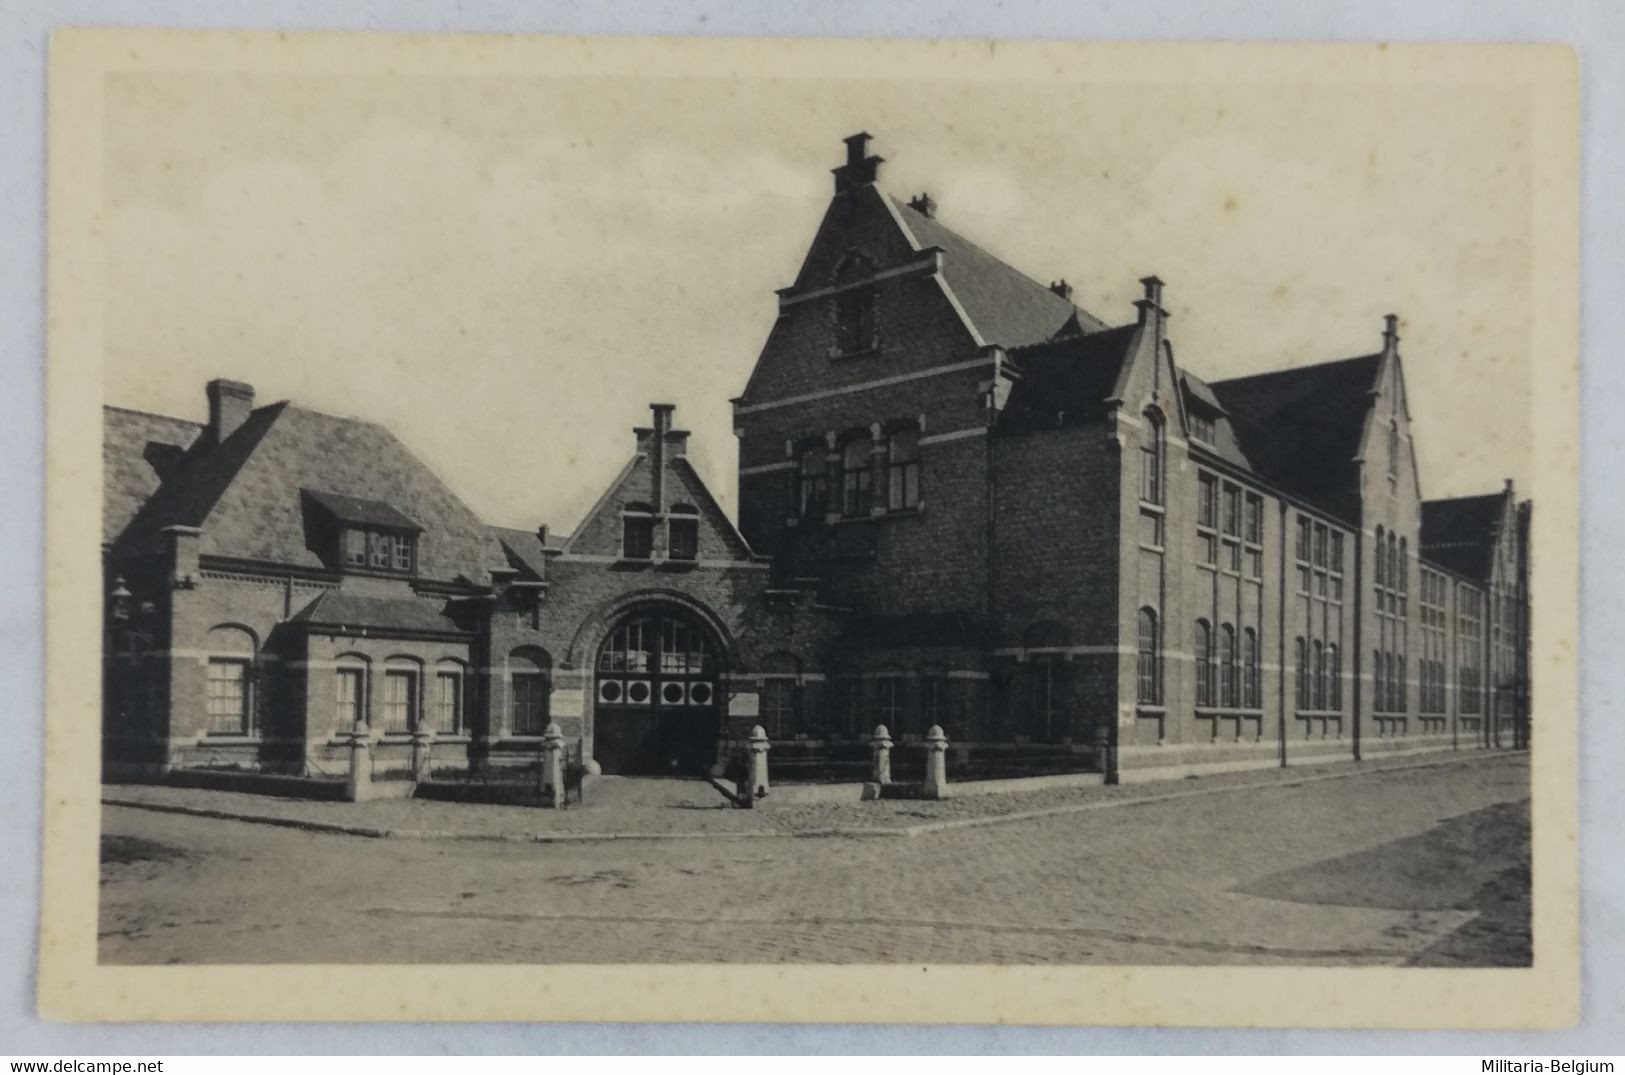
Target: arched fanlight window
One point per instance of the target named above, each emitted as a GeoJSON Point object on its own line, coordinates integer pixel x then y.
{"type": "Point", "coordinates": [1150, 663]}
{"type": "Point", "coordinates": [1204, 663]}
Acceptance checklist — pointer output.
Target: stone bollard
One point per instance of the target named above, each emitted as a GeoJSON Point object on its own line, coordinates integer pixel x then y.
{"type": "Point", "coordinates": [359, 786]}
{"type": "Point", "coordinates": [553, 765]}
{"type": "Point", "coordinates": [880, 742]}
{"type": "Point", "coordinates": [936, 763]}
{"type": "Point", "coordinates": [758, 762]}
{"type": "Point", "coordinates": [422, 743]}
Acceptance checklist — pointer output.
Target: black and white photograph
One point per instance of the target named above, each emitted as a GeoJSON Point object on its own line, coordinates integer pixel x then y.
{"type": "Point", "coordinates": [813, 509]}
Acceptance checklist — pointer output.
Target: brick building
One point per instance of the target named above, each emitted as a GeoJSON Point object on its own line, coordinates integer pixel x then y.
{"type": "Point", "coordinates": [964, 501]}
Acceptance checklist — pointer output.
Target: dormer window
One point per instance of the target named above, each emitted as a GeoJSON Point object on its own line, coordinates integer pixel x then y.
{"type": "Point", "coordinates": [1202, 427]}
{"type": "Point", "coordinates": [355, 534]}
{"type": "Point", "coordinates": [379, 550]}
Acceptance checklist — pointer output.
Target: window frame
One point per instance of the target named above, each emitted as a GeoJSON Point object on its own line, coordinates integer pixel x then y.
{"type": "Point", "coordinates": [242, 697]}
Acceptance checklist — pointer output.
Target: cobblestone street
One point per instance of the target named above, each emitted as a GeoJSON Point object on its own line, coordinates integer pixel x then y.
{"type": "Point", "coordinates": [1357, 870]}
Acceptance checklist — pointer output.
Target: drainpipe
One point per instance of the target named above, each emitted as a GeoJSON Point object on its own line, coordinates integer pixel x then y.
{"type": "Point", "coordinates": [1359, 624]}
{"type": "Point", "coordinates": [1280, 642]}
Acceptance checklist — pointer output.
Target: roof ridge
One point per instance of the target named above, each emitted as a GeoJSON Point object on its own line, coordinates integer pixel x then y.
{"type": "Point", "coordinates": [151, 414]}
{"type": "Point", "coordinates": [985, 252]}
{"type": "Point", "coordinates": [1284, 370]}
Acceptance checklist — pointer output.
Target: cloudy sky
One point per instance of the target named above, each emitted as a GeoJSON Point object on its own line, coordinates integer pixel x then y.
{"type": "Point", "coordinates": [507, 270]}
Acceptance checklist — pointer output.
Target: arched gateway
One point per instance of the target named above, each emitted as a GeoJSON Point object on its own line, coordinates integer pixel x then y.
{"type": "Point", "coordinates": [657, 705]}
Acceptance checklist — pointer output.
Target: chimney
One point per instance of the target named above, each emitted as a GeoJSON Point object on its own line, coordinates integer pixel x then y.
{"type": "Point", "coordinates": [230, 403]}
{"type": "Point", "coordinates": [1150, 306]}
{"type": "Point", "coordinates": [923, 204]}
{"type": "Point", "coordinates": [1062, 288]}
{"type": "Point", "coordinates": [860, 169]}
{"type": "Point", "coordinates": [1390, 332]}
{"type": "Point", "coordinates": [657, 452]}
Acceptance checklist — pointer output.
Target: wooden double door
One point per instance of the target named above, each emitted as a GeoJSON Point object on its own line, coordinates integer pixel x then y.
{"type": "Point", "coordinates": [657, 709]}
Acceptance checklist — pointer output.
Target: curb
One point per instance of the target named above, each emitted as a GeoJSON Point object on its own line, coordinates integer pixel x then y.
{"type": "Point", "coordinates": [903, 831]}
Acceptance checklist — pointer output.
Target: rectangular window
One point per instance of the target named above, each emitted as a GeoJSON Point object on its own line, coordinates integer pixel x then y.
{"type": "Point", "coordinates": [1255, 519]}
{"type": "Point", "coordinates": [355, 548]}
{"type": "Point", "coordinates": [400, 551]}
{"type": "Point", "coordinates": [903, 470]}
{"type": "Point", "coordinates": [1232, 511]}
{"type": "Point", "coordinates": [850, 700]}
{"type": "Point", "coordinates": [889, 695]}
{"type": "Point", "coordinates": [448, 703]}
{"type": "Point", "coordinates": [637, 537]}
{"type": "Point", "coordinates": [378, 550]}
{"type": "Point", "coordinates": [529, 703]}
{"type": "Point", "coordinates": [779, 717]}
{"type": "Point", "coordinates": [350, 704]}
{"type": "Point", "coordinates": [1202, 428]}
{"type": "Point", "coordinates": [934, 702]}
{"type": "Point", "coordinates": [227, 699]}
{"type": "Point", "coordinates": [685, 538]}
{"type": "Point", "coordinates": [400, 700]}
{"type": "Point", "coordinates": [1151, 528]}
{"type": "Point", "coordinates": [1207, 501]}
{"type": "Point", "coordinates": [857, 479]}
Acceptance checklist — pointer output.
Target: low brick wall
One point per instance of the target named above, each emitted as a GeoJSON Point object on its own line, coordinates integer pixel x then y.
{"type": "Point", "coordinates": [295, 787]}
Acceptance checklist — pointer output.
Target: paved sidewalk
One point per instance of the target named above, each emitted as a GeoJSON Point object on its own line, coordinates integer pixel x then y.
{"type": "Point", "coordinates": [626, 809]}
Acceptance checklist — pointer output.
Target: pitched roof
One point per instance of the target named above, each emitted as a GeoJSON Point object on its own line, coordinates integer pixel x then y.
{"type": "Point", "coordinates": [1300, 428]}
{"type": "Point", "coordinates": [137, 450]}
{"type": "Point", "coordinates": [361, 511]}
{"type": "Point", "coordinates": [403, 614]}
{"type": "Point", "coordinates": [524, 549]}
{"type": "Point", "coordinates": [1199, 394]}
{"type": "Point", "coordinates": [1460, 532]}
{"type": "Point", "coordinates": [1065, 380]}
{"type": "Point", "coordinates": [1007, 307]}
{"type": "Point", "coordinates": [245, 494]}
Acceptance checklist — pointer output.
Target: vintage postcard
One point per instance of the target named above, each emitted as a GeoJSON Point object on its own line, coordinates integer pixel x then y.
{"type": "Point", "coordinates": [639, 529]}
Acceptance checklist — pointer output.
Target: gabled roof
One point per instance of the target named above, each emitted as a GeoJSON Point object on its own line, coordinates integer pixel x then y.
{"type": "Point", "coordinates": [360, 511]}
{"type": "Point", "coordinates": [388, 614]}
{"type": "Point", "coordinates": [246, 494]}
{"type": "Point", "coordinates": [1460, 533]}
{"type": "Point", "coordinates": [1065, 380]}
{"type": "Point", "coordinates": [1301, 428]}
{"type": "Point", "coordinates": [138, 449]}
{"type": "Point", "coordinates": [1007, 307]}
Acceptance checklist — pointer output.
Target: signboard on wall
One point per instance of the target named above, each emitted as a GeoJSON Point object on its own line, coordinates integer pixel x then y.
{"type": "Point", "coordinates": [744, 704]}
{"type": "Point", "coordinates": [569, 702]}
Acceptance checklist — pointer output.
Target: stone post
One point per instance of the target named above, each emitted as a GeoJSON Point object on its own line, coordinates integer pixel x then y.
{"type": "Point", "coordinates": [758, 762]}
{"type": "Point", "coordinates": [359, 786]}
{"type": "Point", "coordinates": [422, 743]}
{"type": "Point", "coordinates": [553, 765]}
{"type": "Point", "coordinates": [936, 763]}
{"type": "Point", "coordinates": [880, 743]}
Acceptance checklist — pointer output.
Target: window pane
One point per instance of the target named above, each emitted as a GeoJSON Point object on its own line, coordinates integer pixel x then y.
{"type": "Point", "coordinates": [226, 699]}
{"type": "Point", "coordinates": [400, 697]}
{"type": "Point", "coordinates": [355, 547]}
{"type": "Point", "coordinates": [529, 703]}
{"type": "Point", "coordinates": [637, 538]}
{"type": "Point", "coordinates": [349, 698]}
{"type": "Point", "coordinates": [685, 539]}
{"type": "Point", "coordinates": [448, 703]}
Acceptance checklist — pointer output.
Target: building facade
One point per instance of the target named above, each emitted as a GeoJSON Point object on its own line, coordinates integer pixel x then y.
{"type": "Point", "coordinates": [964, 501]}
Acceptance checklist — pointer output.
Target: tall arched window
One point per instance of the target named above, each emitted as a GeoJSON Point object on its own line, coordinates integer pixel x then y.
{"type": "Point", "coordinates": [1151, 458]}
{"type": "Point", "coordinates": [1204, 663]}
{"type": "Point", "coordinates": [1252, 696]}
{"type": "Point", "coordinates": [1404, 568]}
{"type": "Point", "coordinates": [1382, 560]}
{"type": "Point", "coordinates": [350, 692]}
{"type": "Point", "coordinates": [1150, 663]}
{"type": "Point", "coordinates": [1334, 676]}
{"type": "Point", "coordinates": [1319, 651]}
{"type": "Point", "coordinates": [1393, 561]}
{"type": "Point", "coordinates": [857, 482]}
{"type": "Point", "coordinates": [1227, 665]}
{"type": "Point", "coordinates": [903, 468]}
{"type": "Point", "coordinates": [229, 700]}
{"type": "Point", "coordinates": [530, 671]}
{"type": "Point", "coordinates": [812, 480]}
{"type": "Point", "coordinates": [1300, 651]}
{"type": "Point", "coordinates": [854, 306]}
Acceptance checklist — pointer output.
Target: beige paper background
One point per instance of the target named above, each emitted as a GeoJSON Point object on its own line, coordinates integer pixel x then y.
{"type": "Point", "coordinates": [1529, 400]}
